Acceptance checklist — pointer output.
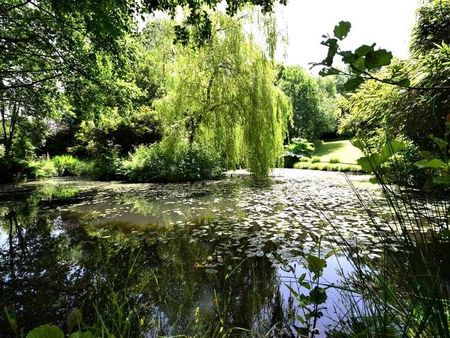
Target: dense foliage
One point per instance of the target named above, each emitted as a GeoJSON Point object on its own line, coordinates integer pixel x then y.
{"type": "Point", "coordinates": [314, 102]}
{"type": "Point", "coordinates": [224, 95]}
{"type": "Point", "coordinates": [408, 100]}
{"type": "Point", "coordinates": [87, 86]}
{"type": "Point", "coordinates": [172, 161]}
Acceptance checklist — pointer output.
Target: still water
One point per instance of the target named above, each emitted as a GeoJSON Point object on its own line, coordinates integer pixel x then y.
{"type": "Point", "coordinates": [169, 259]}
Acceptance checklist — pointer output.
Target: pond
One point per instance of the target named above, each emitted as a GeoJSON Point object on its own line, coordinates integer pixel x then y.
{"type": "Point", "coordinates": [169, 259]}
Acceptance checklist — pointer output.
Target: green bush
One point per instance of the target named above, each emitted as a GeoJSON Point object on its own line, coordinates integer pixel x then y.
{"type": "Point", "coordinates": [106, 167]}
{"type": "Point", "coordinates": [335, 160]}
{"type": "Point", "coordinates": [395, 162]}
{"type": "Point", "coordinates": [43, 169]}
{"type": "Point", "coordinates": [315, 159]}
{"type": "Point", "coordinates": [296, 150]}
{"type": "Point", "coordinates": [169, 162]}
{"type": "Point", "coordinates": [400, 167]}
{"type": "Point", "coordinates": [300, 146]}
{"type": "Point", "coordinates": [67, 165]}
{"type": "Point", "coordinates": [305, 159]}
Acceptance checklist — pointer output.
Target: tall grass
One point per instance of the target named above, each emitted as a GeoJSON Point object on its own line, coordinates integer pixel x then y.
{"type": "Point", "coordinates": [406, 291]}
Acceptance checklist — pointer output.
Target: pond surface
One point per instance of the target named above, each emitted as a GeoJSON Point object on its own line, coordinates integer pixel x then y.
{"type": "Point", "coordinates": [168, 259]}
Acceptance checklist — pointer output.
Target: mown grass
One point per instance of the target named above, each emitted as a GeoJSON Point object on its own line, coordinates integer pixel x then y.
{"type": "Point", "coordinates": [332, 156]}
{"type": "Point", "coordinates": [342, 150]}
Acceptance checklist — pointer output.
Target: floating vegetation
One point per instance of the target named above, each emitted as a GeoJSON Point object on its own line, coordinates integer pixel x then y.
{"type": "Point", "coordinates": [214, 246]}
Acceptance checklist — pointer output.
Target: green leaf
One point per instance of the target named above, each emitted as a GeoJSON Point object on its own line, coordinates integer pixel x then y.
{"type": "Point", "coordinates": [434, 163]}
{"type": "Point", "coordinates": [366, 164]}
{"type": "Point", "coordinates": [301, 319]}
{"type": "Point", "coordinates": [389, 149]}
{"type": "Point", "coordinates": [442, 180]}
{"type": "Point", "coordinates": [356, 142]}
{"type": "Point", "coordinates": [302, 277]}
{"type": "Point", "coordinates": [293, 292]}
{"type": "Point", "coordinates": [328, 71]}
{"type": "Point", "coordinates": [377, 59]}
{"type": "Point", "coordinates": [359, 65]}
{"type": "Point", "coordinates": [316, 264]}
{"type": "Point", "coordinates": [318, 295]}
{"type": "Point", "coordinates": [306, 285]}
{"type": "Point", "coordinates": [332, 252]}
{"type": "Point", "coordinates": [348, 57]}
{"type": "Point", "coordinates": [442, 144]}
{"type": "Point", "coordinates": [342, 29]}
{"type": "Point", "coordinates": [404, 82]}
{"type": "Point", "coordinates": [46, 331]}
{"type": "Point", "coordinates": [364, 49]}
{"type": "Point", "coordinates": [353, 83]}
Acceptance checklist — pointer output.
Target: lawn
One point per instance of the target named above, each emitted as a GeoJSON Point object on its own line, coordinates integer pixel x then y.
{"type": "Point", "coordinates": [342, 150]}
{"type": "Point", "coordinates": [342, 154]}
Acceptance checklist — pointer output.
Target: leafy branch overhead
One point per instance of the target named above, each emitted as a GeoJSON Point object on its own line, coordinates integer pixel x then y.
{"type": "Point", "coordinates": [361, 63]}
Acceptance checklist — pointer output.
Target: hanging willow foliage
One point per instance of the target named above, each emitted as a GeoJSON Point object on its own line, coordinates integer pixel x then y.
{"type": "Point", "coordinates": [223, 95]}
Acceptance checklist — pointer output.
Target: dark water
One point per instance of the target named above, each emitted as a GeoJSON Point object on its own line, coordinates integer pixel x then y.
{"type": "Point", "coordinates": [175, 258]}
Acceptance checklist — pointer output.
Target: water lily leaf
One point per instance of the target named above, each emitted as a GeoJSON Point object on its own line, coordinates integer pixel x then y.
{"type": "Point", "coordinates": [46, 331]}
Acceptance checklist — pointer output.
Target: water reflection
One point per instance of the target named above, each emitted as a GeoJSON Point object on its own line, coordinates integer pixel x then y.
{"type": "Point", "coordinates": [173, 259]}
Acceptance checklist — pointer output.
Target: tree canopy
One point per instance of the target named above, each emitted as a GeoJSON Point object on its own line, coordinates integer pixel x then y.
{"type": "Point", "coordinates": [224, 95]}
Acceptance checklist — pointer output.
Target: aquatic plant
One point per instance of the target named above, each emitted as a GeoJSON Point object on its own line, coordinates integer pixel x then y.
{"type": "Point", "coordinates": [405, 290]}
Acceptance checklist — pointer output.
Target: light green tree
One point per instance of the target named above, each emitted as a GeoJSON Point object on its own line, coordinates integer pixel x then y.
{"type": "Point", "coordinates": [223, 95]}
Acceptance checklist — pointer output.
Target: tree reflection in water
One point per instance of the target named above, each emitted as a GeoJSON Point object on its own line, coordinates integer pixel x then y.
{"type": "Point", "coordinates": [48, 269]}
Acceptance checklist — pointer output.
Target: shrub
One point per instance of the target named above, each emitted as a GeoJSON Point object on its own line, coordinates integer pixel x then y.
{"type": "Point", "coordinates": [172, 162]}
{"type": "Point", "coordinates": [396, 161]}
{"type": "Point", "coordinates": [300, 146]}
{"type": "Point", "coordinates": [335, 160]}
{"type": "Point", "coordinates": [43, 169]}
{"type": "Point", "coordinates": [67, 165]}
{"type": "Point", "coordinates": [297, 149]}
{"type": "Point", "coordinates": [117, 129]}
{"type": "Point", "coordinates": [106, 167]}
{"type": "Point", "coordinates": [305, 159]}
{"type": "Point", "coordinates": [315, 159]}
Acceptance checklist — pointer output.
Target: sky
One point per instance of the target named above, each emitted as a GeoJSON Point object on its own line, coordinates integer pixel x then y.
{"type": "Point", "coordinates": [386, 22]}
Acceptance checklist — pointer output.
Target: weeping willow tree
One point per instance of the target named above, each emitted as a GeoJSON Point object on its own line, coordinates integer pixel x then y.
{"type": "Point", "coordinates": [223, 95]}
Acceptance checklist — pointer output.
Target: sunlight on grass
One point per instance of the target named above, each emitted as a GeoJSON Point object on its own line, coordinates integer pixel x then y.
{"type": "Point", "coordinates": [342, 150]}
